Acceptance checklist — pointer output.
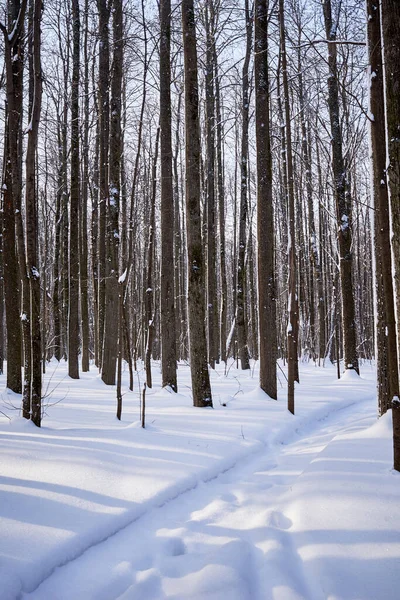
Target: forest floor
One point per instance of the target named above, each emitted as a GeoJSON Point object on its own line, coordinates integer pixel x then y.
{"type": "Point", "coordinates": [244, 502]}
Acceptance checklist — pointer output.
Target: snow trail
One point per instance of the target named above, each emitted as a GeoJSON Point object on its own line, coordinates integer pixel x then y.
{"type": "Point", "coordinates": [229, 538]}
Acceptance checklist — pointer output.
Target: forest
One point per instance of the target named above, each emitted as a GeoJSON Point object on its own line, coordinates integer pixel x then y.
{"type": "Point", "coordinates": [200, 209]}
{"type": "Point", "coordinates": [198, 182]}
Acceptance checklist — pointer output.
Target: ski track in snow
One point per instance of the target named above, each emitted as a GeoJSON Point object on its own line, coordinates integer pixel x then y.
{"type": "Point", "coordinates": [225, 539]}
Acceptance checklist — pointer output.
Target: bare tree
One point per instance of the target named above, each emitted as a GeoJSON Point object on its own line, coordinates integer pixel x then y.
{"type": "Point", "coordinates": [167, 307]}
{"type": "Point", "coordinates": [83, 222]}
{"type": "Point", "coordinates": [12, 282]}
{"type": "Point", "coordinates": [390, 36]}
{"type": "Point", "coordinates": [212, 304]}
{"type": "Point", "coordinates": [104, 8]}
{"type": "Point", "coordinates": [150, 279]}
{"type": "Point", "coordinates": [14, 47]}
{"type": "Point", "coordinates": [73, 279]}
{"type": "Point", "coordinates": [201, 388]}
{"type": "Point", "coordinates": [265, 215]}
{"type": "Point", "coordinates": [388, 381]}
{"type": "Point", "coordinates": [292, 328]}
{"type": "Point", "coordinates": [241, 324]}
{"type": "Point", "coordinates": [342, 198]}
{"type": "Point", "coordinates": [31, 208]}
{"type": "Point", "coordinates": [112, 291]}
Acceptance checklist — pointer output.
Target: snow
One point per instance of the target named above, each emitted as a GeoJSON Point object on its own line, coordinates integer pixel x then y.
{"type": "Point", "coordinates": [12, 35]}
{"type": "Point", "coordinates": [122, 277]}
{"type": "Point", "coordinates": [230, 335]}
{"type": "Point", "coordinates": [241, 502]}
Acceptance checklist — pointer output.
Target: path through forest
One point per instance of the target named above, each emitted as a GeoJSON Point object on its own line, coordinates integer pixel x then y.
{"type": "Point", "coordinates": [281, 524]}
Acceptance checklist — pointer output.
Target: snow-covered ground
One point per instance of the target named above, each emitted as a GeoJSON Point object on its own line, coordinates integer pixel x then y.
{"type": "Point", "coordinates": [241, 502]}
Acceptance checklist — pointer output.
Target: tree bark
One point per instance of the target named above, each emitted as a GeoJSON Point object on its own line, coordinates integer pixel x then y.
{"type": "Point", "coordinates": [391, 52]}
{"type": "Point", "coordinates": [104, 131]}
{"type": "Point", "coordinates": [241, 324]}
{"type": "Point", "coordinates": [167, 301]}
{"type": "Point", "coordinates": [212, 303]}
{"type": "Point", "coordinates": [111, 321]}
{"type": "Point", "coordinates": [388, 381]}
{"type": "Point", "coordinates": [292, 328]}
{"type": "Point", "coordinates": [12, 281]}
{"type": "Point", "coordinates": [201, 388]}
{"type": "Point", "coordinates": [83, 237]}
{"type": "Point", "coordinates": [342, 199]}
{"type": "Point", "coordinates": [73, 278]}
{"type": "Point", "coordinates": [150, 279]}
{"type": "Point", "coordinates": [31, 209]}
{"type": "Point", "coordinates": [265, 216]}
{"type": "Point", "coordinates": [221, 215]}
{"type": "Point", "coordinates": [14, 47]}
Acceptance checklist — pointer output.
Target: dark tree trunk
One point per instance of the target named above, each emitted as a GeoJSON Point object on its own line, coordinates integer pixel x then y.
{"type": "Point", "coordinates": [12, 281]}
{"type": "Point", "coordinates": [322, 318]}
{"type": "Point", "coordinates": [292, 328]}
{"type": "Point", "coordinates": [73, 279]}
{"type": "Point", "coordinates": [342, 199]}
{"type": "Point", "coordinates": [212, 303]}
{"type": "Point", "coordinates": [265, 215]}
{"type": "Point", "coordinates": [150, 279]}
{"type": "Point", "coordinates": [390, 35]}
{"type": "Point", "coordinates": [221, 216]}
{"type": "Point", "coordinates": [63, 185]}
{"type": "Point", "coordinates": [167, 303]}
{"type": "Point", "coordinates": [111, 322]}
{"type": "Point", "coordinates": [14, 47]}
{"type": "Point", "coordinates": [252, 296]}
{"type": "Point", "coordinates": [57, 315]}
{"type": "Point", "coordinates": [241, 323]}
{"type": "Point", "coordinates": [179, 244]}
{"type": "Point", "coordinates": [201, 388]}
{"type": "Point", "coordinates": [31, 210]}
{"type": "Point", "coordinates": [132, 229]}
{"type": "Point", "coordinates": [388, 381]}
{"type": "Point", "coordinates": [2, 348]}
{"type": "Point", "coordinates": [104, 130]}
{"type": "Point", "coordinates": [83, 222]}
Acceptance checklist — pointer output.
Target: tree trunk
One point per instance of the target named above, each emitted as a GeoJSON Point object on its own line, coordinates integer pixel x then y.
{"type": "Point", "coordinates": [388, 381]}
{"type": "Point", "coordinates": [292, 328]}
{"type": "Point", "coordinates": [167, 306]}
{"type": "Point", "coordinates": [221, 216]}
{"type": "Point", "coordinates": [12, 281]}
{"type": "Point", "coordinates": [111, 322]}
{"type": "Point", "coordinates": [150, 283]}
{"type": "Point", "coordinates": [104, 130]}
{"type": "Point", "coordinates": [342, 199]}
{"type": "Point", "coordinates": [31, 210]}
{"type": "Point", "coordinates": [265, 216]}
{"type": "Point", "coordinates": [201, 388]}
{"type": "Point", "coordinates": [63, 184]}
{"type": "Point", "coordinates": [241, 324]}
{"type": "Point", "coordinates": [83, 256]}
{"type": "Point", "coordinates": [14, 47]}
{"type": "Point", "coordinates": [73, 279]}
{"type": "Point", "coordinates": [390, 35]}
{"type": "Point", "coordinates": [57, 270]}
{"type": "Point", "coordinates": [212, 303]}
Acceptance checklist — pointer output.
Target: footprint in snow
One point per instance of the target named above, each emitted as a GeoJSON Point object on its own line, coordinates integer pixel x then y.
{"type": "Point", "coordinates": [173, 546]}
{"type": "Point", "coordinates": [279, 520]}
